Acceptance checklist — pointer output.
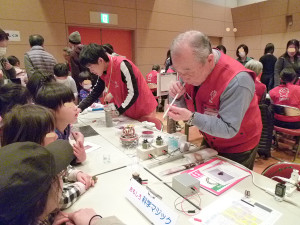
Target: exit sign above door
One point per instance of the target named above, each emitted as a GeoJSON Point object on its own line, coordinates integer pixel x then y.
{"type": "Point", "coordinates": [103, 18]}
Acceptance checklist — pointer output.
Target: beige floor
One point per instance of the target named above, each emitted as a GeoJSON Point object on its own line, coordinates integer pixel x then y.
{"type": "Point", "coordinates": [260, 164]}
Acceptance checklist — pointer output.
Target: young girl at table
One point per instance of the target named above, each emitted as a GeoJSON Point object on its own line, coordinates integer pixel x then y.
{"type": "Point", "coordinates": [60, 100]}
{"type": "Point", "coordinates": [36, 124]}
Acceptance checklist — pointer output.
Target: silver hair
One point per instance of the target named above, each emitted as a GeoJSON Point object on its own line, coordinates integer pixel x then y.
{"type": "Point", "coordinates": [198, 41]}
{"type": "Point", "coordinates": [255, 66]}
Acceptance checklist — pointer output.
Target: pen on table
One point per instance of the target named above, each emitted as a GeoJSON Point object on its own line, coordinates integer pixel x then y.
{"type": "Point", "coordinates": [154, 193]}
{"type": "Point", "coordinates": [179, 168]}
{"type": "Point", "coordinates": [172, 103]}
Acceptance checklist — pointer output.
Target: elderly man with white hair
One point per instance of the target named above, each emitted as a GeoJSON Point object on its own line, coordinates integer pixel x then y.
{"type": "Point", "coordinates": [217, 95]}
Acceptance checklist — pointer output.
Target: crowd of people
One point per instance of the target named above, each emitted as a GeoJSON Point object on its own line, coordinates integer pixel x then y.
{"type": "Point", "coordinates": [216, 93]}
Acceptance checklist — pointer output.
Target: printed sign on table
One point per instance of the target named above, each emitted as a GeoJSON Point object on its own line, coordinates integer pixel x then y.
{"type": "Point", "coordinates": [154, 209]}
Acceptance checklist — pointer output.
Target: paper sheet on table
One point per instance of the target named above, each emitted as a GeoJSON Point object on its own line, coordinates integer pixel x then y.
{"type": "Point", "coordinates": [89, 147]}
{"type": "Point", "coordinates": [231, 210]}
{"type": "Point", "coordinates": [223, 172]}
{"type": "Point", "coordinates": [209, 181]}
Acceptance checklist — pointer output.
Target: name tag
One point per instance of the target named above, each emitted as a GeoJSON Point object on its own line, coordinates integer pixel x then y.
{"type": "Point", "coordinates": [148, 204]}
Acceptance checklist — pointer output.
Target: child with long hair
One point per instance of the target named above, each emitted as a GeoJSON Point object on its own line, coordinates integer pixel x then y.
{"type": "Point", "coordinates": [60, 100]}
{"type": "Point", "coordinates": [36, 124]}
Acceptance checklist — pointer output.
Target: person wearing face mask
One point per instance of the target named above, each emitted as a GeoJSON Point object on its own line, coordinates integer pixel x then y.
{"type": "Point", "coordinates": [241, 53]}
{"type": "Point", "coordinates": [290, 59]}
{"type": "Point", "coordinates": [86, 85]}
{"type": "Point", "coordinates": [7, 71]}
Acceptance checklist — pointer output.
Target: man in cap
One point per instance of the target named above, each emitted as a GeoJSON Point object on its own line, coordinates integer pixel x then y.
{"type": "Point", "coordinates": [76, 67]}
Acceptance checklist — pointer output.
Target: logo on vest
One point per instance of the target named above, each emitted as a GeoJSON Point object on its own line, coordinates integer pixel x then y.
{"type": "Point", "coordinates": [212, 95]}
{"type": "Point", "coordinates": [283, 94]}
{"type": "Point", "coordinates": [116, 84]}
{"type": "Point", "coordinates": [149, 77]}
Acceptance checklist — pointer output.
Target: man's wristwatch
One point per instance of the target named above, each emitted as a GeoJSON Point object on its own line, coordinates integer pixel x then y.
{"type": "Point", "coordinates": [190, 121]}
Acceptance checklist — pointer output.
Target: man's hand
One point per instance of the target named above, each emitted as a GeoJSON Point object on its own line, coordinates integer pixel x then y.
{"type": "Point", "coordinates": [108, 97]}
{"type": "Point", "coordinates": [83, 217]}
{"type": "Point", "coordinates": [175, 88]}
{"type": "Point", "coordinates": [177, 113]}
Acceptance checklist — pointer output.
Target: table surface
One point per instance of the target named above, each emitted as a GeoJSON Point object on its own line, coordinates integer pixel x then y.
{"type": "Point", "coordinates": [108, 195]}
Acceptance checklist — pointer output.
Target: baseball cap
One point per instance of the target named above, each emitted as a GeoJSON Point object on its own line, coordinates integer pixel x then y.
{"type": "Point", "coordinates": [75, 37]}
{"type": "Point", "coordinates": [24, 167]}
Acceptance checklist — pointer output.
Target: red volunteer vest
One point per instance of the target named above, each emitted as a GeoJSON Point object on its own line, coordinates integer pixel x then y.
{"type": "Point", "coordinates": [286, 94]}
{"type": "Point", "coordinates": [207, 101]}
{"type": "Point", "coordinates": [259, 89]}
{"type": "Point", "coordinates": [145, 103]}
{"type": "Point", "coordinates": [152, 77]}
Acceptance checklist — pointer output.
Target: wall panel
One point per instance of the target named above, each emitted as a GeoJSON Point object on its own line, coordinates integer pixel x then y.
{"type": "Point", "coordinates": [154, 38]}
{"type": "Point", "coordinates": [293, 7]}
{"type": "Point", "coordinates": [163, 21]}
{"type": "Point", "coordinates": [116, 3]}
{"type": "Point", "coordinates": [296, 23]}
{"type": "Point", "coordinates": [53, 33]}
{"type": "Point", "coordinates": [272, 8]}
{"type": "Point", "coordinates": [208, 11]}
{"type": "Point", "coordinates": [177, 7]}
{"type": "Point", "coordinates": [151, 56]}
{"type": "Point", "coordinates": [209, 27]}
{"type": "Point", "coordinates": [33, 10]}
{"type": "Point", "coordinates": [245, 13]}
{"type": "Point", "coordinates": [79, 13]}
{"type": "Point", "coordinates": [272, 25]}
{"type": "Point", "coordinates": [247, 28]}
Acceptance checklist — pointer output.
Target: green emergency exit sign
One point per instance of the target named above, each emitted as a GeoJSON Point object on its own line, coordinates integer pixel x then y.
{"type": "Point", "coordinates": [104, 18]}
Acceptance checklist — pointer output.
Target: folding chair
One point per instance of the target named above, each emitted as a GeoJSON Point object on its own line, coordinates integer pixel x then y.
{"type": "Point", "coordinates": [291, 112]}
{"type": "Point", "coordinates": [281, 169]}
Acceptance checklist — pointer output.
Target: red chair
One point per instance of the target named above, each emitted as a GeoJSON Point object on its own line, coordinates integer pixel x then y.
{"type": "Point", "coordinates": [281, 169]}
{"type": "Point", "coordinates": [158, 124]}
{"type": "Point", "coordinates": [291, 112]}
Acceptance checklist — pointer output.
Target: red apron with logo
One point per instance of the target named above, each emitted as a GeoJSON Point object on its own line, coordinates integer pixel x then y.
{"type": "Point", "coordinates": [286, 94]}
{"type": "Point", "coordinates": [152, 77]}
{"type": "Point", "coordinates": [145, 103]}
{"type": "Point", "coordinates": [207, 101]}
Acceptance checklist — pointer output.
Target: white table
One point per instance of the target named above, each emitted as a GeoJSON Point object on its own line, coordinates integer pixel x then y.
{"type": "Point", "coordinates": [108, 196]}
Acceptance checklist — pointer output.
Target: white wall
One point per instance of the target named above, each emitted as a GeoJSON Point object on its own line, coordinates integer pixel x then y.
{"type": "Point", "coordinates": [224, 3]}
{"type": "Point", "coordinates": [231, 3]}
{"type": "Point", "coordinates": [248, 2]}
